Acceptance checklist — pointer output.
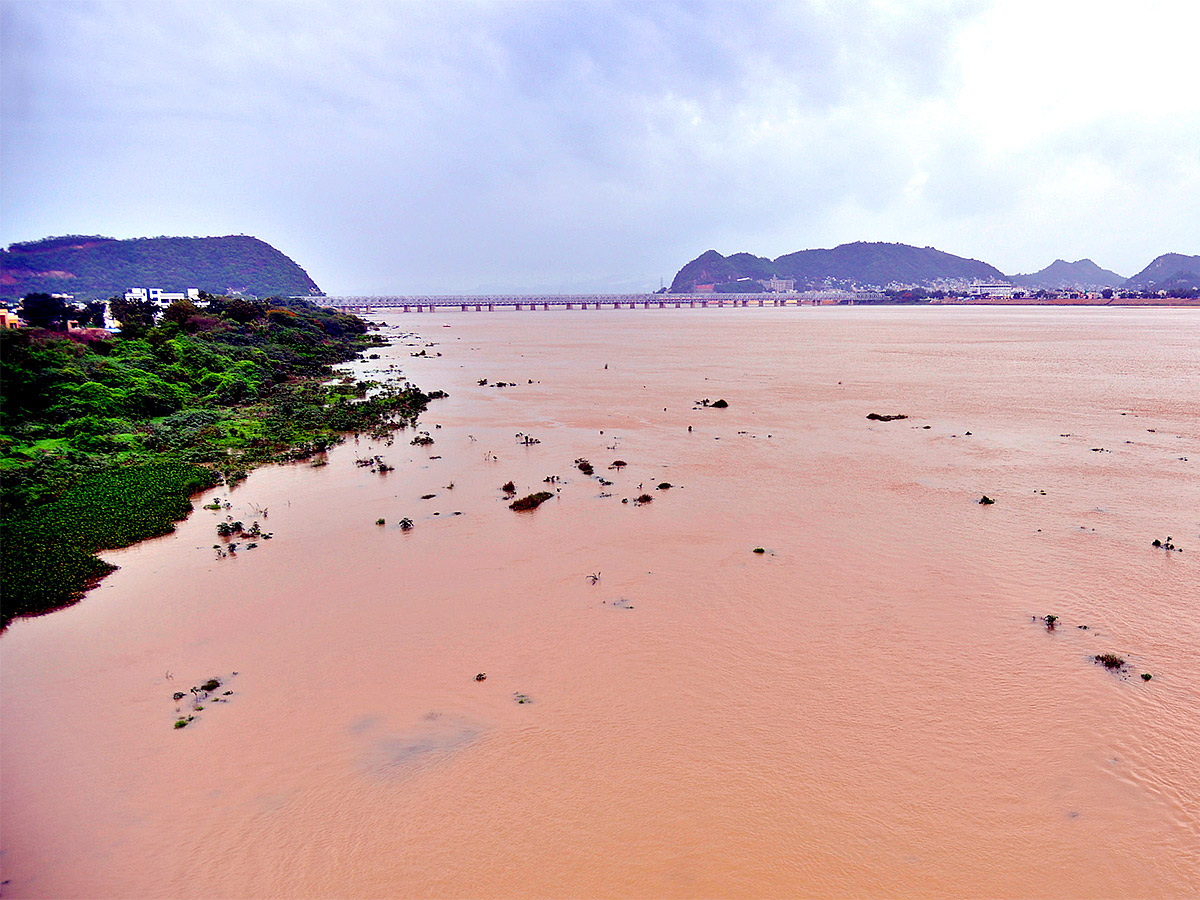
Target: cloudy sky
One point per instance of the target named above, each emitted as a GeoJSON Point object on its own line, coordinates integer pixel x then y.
{"type": "Point", "coordinates": [467, 147]}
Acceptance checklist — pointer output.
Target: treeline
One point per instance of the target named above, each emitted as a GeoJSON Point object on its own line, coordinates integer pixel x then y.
{"type": "Point", "coordinates": [173, 403]}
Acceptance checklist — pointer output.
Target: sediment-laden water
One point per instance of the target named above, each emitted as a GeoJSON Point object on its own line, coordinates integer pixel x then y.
{"type": "Point", "coordinates": [872, 707]}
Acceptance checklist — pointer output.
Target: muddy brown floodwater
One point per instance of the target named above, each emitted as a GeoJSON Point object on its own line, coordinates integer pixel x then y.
{"type": "Point", "coordinates": [872, 707]}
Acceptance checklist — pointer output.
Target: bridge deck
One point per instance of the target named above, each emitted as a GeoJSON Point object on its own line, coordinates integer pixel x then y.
{"type": "Point", "coordinates": [589, 301]}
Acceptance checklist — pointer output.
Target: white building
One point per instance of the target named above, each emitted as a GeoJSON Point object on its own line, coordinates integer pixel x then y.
{"type": "Point", "coordinates": [994, 289]}
{"type": "Point", "coordinates": [775, 284]}
{"type": "Point", "coordinates": [158, 295]}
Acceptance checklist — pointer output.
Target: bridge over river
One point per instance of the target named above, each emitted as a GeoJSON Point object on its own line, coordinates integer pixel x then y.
{"type": "Point", "coordinates": [491, 302]}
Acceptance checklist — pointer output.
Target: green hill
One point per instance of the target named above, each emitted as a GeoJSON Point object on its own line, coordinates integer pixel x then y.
{"type": "Point", "coordinates": [1171, 271]}
{"type": "Point", "coordinates": [1062, 275]}
{"type": "Point", "coordinates": [93, 267]}
{"type": "Point", "coordinates": [862, 264]}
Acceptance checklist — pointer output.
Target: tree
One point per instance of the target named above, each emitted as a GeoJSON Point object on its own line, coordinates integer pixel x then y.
{"type": "Point", "coordinates": [1106, 293]}
{"type": "Point", "coordinates": [180, 312]}
{"type": "Point", "coordinates": [44, 311]}
{"type": "Point", "coordinates": [135, 316]}
{"type": "Point", "coordinates": [92, 315]}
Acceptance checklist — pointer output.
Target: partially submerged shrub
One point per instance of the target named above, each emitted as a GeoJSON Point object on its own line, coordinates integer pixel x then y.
{"type": "Point", "coordinates": [532, 501]}
{"type": "Point", "coordinates": [1110, 660]}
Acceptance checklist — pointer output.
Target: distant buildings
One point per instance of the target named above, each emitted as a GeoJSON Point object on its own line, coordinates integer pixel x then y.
{"type": "Point", "coordinates": [158, 295]}
{"type": "Point", "coordinates": [9, 319]}
{"type": "Point", "coordinates": [993, 289]}
{"type": "Point", "coordinates": [777, 285]}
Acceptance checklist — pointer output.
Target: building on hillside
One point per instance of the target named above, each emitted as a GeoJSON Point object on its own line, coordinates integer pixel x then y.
{"type": "Point", "coordinates": [9, 319]}
{"type": "Point", "coordinates": [777, 285]}
{"type": "Point", "coordinates": [703, 288]}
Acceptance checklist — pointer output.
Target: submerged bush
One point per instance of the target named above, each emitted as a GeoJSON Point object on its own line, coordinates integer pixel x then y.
{"type": "Point", "coordinates": [532, 501]}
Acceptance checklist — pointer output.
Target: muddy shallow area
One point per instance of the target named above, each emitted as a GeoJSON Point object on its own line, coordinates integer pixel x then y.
{"type": "Point", "coordinates": [872, 706]}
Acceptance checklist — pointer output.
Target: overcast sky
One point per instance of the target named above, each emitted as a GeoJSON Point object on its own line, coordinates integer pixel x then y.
{"type": "Point", "coordinates": [469, 147]}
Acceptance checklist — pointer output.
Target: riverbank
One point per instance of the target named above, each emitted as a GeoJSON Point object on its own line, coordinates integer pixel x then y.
{"type": "Point", "coordinates": [106, 439]}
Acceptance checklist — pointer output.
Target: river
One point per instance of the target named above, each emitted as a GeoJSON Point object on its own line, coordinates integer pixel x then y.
{"type": "Point", "coordinates": [873, 706]}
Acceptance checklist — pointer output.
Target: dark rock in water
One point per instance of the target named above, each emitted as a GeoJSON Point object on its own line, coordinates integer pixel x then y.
{"type": "Point", "coordinates": [1146, 676]}
{"type": "Point", "coordinates": [760, 550]}
{"type": "Point", "coordinates": [876, 417]}
{"type": "Point", "coordinates": [664, 485]}
{"type": "Point", "coordinates": [211, 685]}
{"type": "Point", "coordinates": [482, 676]}
{"type": "Point", "coordinates": [720, 404]}
{"type": "Point", "coordinates": [179, 695]}
{"type": "Point", "coordinates": [1110, 660]}
{"type": "Point", "coordinates": [986, 500]}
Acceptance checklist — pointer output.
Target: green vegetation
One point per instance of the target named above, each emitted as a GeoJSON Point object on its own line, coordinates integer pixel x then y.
{"type": "Point", "coordinates": [49, 547]}
{"type": "Point", "coordinates": [532, 501]}
{"type": "Point", "coordinates": [104, 439]}
{"type": "Point", "coordinates": [93, 267]}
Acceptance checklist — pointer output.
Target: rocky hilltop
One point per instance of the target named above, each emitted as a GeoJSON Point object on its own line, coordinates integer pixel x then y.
{"type": "Point", "coordinates": [1171, 271]}
{"type": "Point", "coordinates": [93, 267]}
{"type": "Point", "coordinates": [1083, 274]}
{"type": "Point", "coordinates": [859, 264]}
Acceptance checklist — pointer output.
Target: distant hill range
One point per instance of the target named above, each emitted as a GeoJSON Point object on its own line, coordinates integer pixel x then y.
{"type": "Point", "coordinates": [1169, 271]}
{"type": "Point", "coordinates": [1061, 275]}
{"type": "Point", "coordinates": [861, 264]}
{"type": "Point", "coordinates": [879, 265]}
{"type": "Point", "coordinates": [95, 268]}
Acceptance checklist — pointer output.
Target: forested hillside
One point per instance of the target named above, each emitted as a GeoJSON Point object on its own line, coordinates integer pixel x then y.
{"type": "Point", "coordinates": [96, 268]}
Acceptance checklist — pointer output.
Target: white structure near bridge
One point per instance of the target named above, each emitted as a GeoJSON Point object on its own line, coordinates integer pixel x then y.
{"type": "Point", "coordinates": [992, 289]}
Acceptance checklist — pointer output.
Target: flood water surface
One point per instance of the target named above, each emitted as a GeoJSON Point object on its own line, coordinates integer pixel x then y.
{"type": "Point", "coordinates": [871, 707]}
